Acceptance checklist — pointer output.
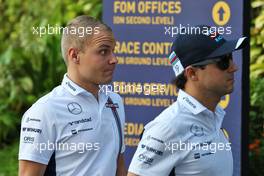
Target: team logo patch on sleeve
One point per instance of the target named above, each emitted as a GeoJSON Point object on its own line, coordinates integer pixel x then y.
{"type": "Point", "coordinates": [145, 159]}
{"type": "Point", "coordinates": [111, 105]}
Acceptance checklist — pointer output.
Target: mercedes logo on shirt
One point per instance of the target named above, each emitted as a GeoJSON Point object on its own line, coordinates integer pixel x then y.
{"type": "Point", "coordinates": [197, 130]}
{"type": "Point", "coordinates": [74, 108]}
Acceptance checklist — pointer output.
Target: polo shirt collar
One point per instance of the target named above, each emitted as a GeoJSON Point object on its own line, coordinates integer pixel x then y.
{"type": "Point", "coordinates": [190, 102]}
{"type": "Point", "coordinates": [219, 111]}
{"type": "Point", "coordinates": [71, 86]}
{"type": "Point", "coordinates": [195, 106]}
{"type": "Point", "coordinates": [75, 89]}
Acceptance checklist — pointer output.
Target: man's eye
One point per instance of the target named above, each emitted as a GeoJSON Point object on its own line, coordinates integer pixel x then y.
{"type": "Point", "coordinates": [104, 52]}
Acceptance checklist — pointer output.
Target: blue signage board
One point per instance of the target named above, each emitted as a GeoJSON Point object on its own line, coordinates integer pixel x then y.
{"type": "Point", "coordinates": [144, 31]}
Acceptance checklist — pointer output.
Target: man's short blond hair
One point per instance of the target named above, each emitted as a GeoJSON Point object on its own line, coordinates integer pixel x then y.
{"type": "Point", "coordinates": [78, 31]}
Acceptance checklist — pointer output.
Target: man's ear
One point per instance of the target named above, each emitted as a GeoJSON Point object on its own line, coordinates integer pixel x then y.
{"type": "Point", "coordinates": [191, 73]}
{"type": "Point", "coordinates": [73, 55]}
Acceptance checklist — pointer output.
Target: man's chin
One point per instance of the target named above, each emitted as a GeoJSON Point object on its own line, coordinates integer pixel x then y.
{"type": "Point", "coordinates": [230, 91]}
{"type": "Point", "coordinates": [106, 81]}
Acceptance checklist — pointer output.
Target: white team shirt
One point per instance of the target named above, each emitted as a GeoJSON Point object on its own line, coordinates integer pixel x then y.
{"type": "Point", "coordinates": [77, 130]}
{"type": "Point", "coordinates": [185, 136]}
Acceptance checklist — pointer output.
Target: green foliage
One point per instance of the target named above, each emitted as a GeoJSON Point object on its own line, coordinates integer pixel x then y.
{"type": "Point", "coordinates": [256, 121]}
{"type": "Point", "coordinates": [30, 64]}
{"type": "Point", "coordinates": [257, 106]}
{"type": "Point", "coordinates": [9, 160]}
{"type": "Point", "coordinates": [256, 135]}
{"type": "Point", "coordinates": [257, 39]}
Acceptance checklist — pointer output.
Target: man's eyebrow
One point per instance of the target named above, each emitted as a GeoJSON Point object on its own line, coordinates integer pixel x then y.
{"type": "Point", "coordinates": [107, 46]}
{"type": "Point", "coordinates": [104, 46]}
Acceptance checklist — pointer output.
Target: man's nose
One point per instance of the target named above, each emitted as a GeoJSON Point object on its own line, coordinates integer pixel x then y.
{"type": "Point", "coordinates": [113, 59]}
{"type": "Point", "coordinates": [233, 67]}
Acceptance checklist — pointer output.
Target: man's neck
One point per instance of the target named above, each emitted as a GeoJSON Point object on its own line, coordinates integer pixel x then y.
{"type": "Point", "coordinates": [206, 99]}
{"type": "Point", "coordinates": [90, 87]}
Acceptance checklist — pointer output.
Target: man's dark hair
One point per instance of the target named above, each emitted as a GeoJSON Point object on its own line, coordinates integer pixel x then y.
{"type": "Point", "coordinates": [180, 81]}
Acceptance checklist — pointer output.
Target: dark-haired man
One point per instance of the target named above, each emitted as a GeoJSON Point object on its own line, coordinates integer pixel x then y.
{"type": "Point", "coordinates": [186, 138]}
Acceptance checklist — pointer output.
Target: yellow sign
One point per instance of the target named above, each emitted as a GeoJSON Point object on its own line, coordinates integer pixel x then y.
{"type": "Point", "coordinates": [224, 103]}
{"type": "Point", "coordinates": [221, 13]}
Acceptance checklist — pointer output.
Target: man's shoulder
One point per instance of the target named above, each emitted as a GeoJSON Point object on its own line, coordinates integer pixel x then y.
{"type": "Point", "coordinates": [168, 122]}
{"type": "Point", "coordinates": [171, 114]}
{"type": "Point", "coordinates": [44, 104]}
{"type": "Point", "coordinates": [41, 106]}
